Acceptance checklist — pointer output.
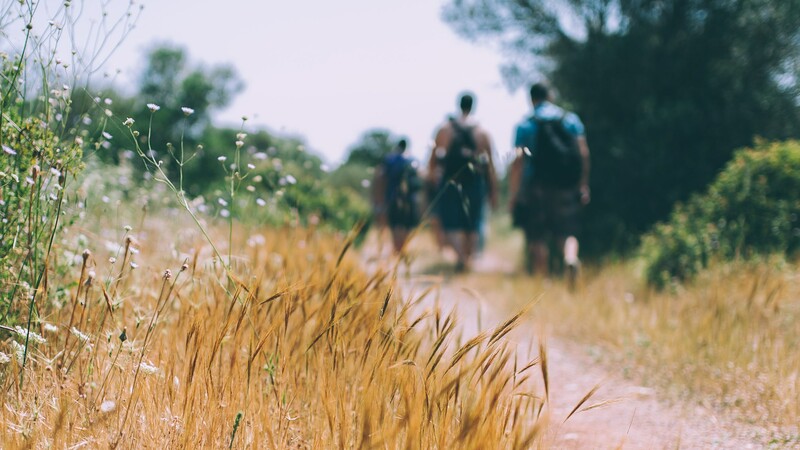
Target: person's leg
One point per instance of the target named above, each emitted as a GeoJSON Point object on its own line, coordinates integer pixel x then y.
{"type": "Point", "coordinates": [539, 254]}
{"type": "Point", "coordinates": [457, 240]}
{"type": "Point", "coordinates": [399, 237]}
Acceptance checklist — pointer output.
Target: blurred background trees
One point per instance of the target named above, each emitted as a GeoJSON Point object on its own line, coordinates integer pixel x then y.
{"type": "Point", "coordinates": [667, 89]}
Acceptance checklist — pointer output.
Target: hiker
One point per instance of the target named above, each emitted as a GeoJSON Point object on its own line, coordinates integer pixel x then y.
{"type": "Point", "coordinates": [461, 163]}
{"type": "Point", "coordinates": [395, 193]}
{"type": "Point", "coordinates": [549, 182]}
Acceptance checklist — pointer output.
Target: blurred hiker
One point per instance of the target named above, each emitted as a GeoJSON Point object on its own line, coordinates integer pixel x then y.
{"type": "Point", "coordinates": [549, 182]}
{"type": "Point", "coordinates": [396, 193]}
{"type": "Point", "coordinates": [462, 164]}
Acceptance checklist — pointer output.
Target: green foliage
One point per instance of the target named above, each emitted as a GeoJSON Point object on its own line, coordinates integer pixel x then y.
{"type": "Point", "coordinates": [667, 90]}
{"type": "Point", "coordinates": [371, 148]}
{"type": "Point", "coordinates": [752, 208]}
{"type": "Point", "coordinates": [34, 166]}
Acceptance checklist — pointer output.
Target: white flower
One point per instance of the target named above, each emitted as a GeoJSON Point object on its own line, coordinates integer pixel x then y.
{"type": "Point", "coordinates": [55, 172]}
{"type": "Point", "coordinates": [221, 158]}
{"type": "Point", "coordinates": [128, 122]}
{"type": "Point", "coordinates": [4, 359]}
{"type": "Point", "coordinates": [251, 166]}
{"type": "Point", "coordinates": [148, 368]}
{"type": "Point", "coordinates": [239, 144]}
{"type": "Point", "coordinates": [108, 113]}
{"type": "Point", "coordinates": [31, 335]}
{"type": "Point", "coordinates": [78, 334]}
{"type": "Point", "coordinates": [134, 265]}
{"type": "Point", "coordinates": [240, 136]}
{"type": "Point", "coordinates": [107, 135]}
{"type": "Point", "coordinates": [260, 155]}
{"type": "Point", "coordinates": [290, 179]}
{"type": "Point", "coordinates": [225, 213]}
{"type": "Point", "coordinates": [50, 328]}
{"type": "Point", "coordinates": [8, 150]}
{"type": "Point", "coordinates": [187, 111]}
{"type": "Point", "coordinates": [19, 350]}
{"type": "Point", "coordinates": [107, 406]}
{"type": "Point", "coordinates": [365, 183]}
{"type": "Point", "coordinates": [222, 202]}
{"type": "Point", "coordinates": [250, 188]}
{"type": "Point", "coordinates": [153, 107]}
{"type": "Point", "coordinates": [261, 202]}
{"type": "Point", "coordinates": [107, 101]}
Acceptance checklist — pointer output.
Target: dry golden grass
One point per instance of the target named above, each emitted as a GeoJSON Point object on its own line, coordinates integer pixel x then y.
{"type": "Point", "coordinates": [729, 340]}
{"type": "Point", "coordinates": [295, 347]}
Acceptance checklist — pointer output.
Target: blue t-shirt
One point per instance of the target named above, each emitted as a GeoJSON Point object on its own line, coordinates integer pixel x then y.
{"type": "Point", "coordinates": [525, 137]}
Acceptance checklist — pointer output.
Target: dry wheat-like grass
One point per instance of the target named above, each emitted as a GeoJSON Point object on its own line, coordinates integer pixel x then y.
{"type": "Point", "coordinates": [294, 347]}
{"type": "Point", "coordinates": [727, 341]}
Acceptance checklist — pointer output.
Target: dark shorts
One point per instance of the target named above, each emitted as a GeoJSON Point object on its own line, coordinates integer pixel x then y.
{"type": "Point", "coordinates": [403, 214]}
{"type": "Point", "coordinates": [460, 206]}
{"type": "Point", "coordinates": [550, 213]}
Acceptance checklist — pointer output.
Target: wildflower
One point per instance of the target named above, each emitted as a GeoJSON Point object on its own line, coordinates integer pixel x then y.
{"type": "Point", "coordinates": [112, 260]}
{"type": "Point", "coordinates": [290, 179]}
{"type": "Point", "coordinates": [32, 336]}
{"type": "Point", "coordinates": [260, 155]}
{"type": "Point", "coordinates": [244, 118]}
{"type": "Point", "coordinates": [78, 334]}
{"type": "Point", "coordinates": [128, 228]}
{"type": "Point", "coordinates": [78, 140]}
{"type": "Point", "coordinates": [251, 166]}
{"type": "Point", "coordinates": [153, 107]}
{"type": "Point", "coordinates": [4, 359]}
{"type": "Point", "coordinates": [108, 113]}
{"type": "Point", "coordinates": [50, 328]}
{"type": "Point", "coordinates": [107, 406]}
{"type": "Point", "coordinates": [167, 274]}
{"type": "Point", "coordinates": [261, 202]}
{"type": "Point", "coordinates": [148, 368]}
{"type": "Point", "coordinates": [240, 136]}
{"type": "Point", "coordinates": [107, 135]}
{"type": "Point", "coordinates": [365, 183]}
{"type": "Point", "coordinates": [128, 122]}
{"type": "Point", "coordinates": [19, 351]}
{"type": "Point", "coordinates": [134, 265]}
{"type": "Point", "coordinates": [222, 202]}
{"type": "Point", "coordinates": [108, 101]}
{"type": "Point", "coordinates": [239, 144]}
{"type": "Point", "coordinates": [8, 150]}
{"type": "Point", "coordinates": [221, 158]}
{"type": "Point", "coordinates": [187, 111]}
{"type": "Point", "coordinates": [225, 213]}
{"type": "Point", "coordinates": [55, 172]}
{"type": "Point", "coordinates": [250, 188]}
{"type": "Point", "coordinates": [88, 120]}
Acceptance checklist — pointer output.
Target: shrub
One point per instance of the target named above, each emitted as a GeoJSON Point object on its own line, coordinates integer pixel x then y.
{"type": "Point", "coordinates": [750, 209]}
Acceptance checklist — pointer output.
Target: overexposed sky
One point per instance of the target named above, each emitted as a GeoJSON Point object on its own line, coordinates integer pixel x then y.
{"type": "Point", "coordinates": [330, 70]}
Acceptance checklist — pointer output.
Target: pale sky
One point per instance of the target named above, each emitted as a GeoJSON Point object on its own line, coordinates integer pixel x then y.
{"type": "Point", "coordinates": [328, 71]}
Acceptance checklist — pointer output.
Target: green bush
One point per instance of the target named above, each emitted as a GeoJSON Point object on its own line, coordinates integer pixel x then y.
{"type": "Point", "coordinates": [752, 208]}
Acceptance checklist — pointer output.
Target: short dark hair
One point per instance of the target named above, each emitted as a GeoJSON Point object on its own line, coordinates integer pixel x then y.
{"type": "Point", "coordinates": [402, 144]}
{"type": "Point", "coordinates": [466, 102]}
{"type": "Point", "coordinates": [539, 92]}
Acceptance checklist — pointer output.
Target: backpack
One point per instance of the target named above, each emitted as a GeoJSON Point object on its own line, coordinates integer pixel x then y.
{"type": "Point", "coordinates": [402, 183]}
{"type": "Point", "coordinates": [461, 163]}
{"type": "Point", "coordinates": [557, 160]}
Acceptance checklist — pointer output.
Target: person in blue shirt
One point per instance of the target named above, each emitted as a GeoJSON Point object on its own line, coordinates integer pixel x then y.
{"type": "Point", "coordinates": [396, 190]}
{"type": "Point", "coordinates": [545, 209]}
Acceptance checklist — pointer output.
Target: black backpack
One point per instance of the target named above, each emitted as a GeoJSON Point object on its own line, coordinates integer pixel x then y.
{"type": "Point", "coordinates": [557, 160]}
{"type": "Point", "coordinates": [402, 182]}
{"type": "Point", "coordinates": [461, 163]}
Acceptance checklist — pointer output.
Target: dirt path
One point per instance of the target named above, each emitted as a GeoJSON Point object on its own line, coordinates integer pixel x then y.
{"type": "Point", "coordinates": [632, 416]}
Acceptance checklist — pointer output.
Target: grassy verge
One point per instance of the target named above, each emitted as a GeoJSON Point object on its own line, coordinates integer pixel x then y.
{"type": "Point", "coordinates": [154, 345]}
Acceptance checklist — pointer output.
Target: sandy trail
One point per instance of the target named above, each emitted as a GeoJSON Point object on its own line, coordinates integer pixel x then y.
{"type": "Point", "coordinates": [632, 416]}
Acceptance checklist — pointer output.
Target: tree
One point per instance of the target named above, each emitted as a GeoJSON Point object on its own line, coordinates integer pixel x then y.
{"type": "Point", "coordinates": [667, 89]}
{"type": "Point", "coordinates": [371, 148]}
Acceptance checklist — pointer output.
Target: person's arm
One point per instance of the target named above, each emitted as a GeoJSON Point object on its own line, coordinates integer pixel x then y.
{"type": "Point", "coordinates": [485, 144]}
{"type": "Point", "coordinates": [585, 169]}
{"type": "Point", "coordinates": [515, 176]}
{"type": "Point", "coordinates": [379, 193]}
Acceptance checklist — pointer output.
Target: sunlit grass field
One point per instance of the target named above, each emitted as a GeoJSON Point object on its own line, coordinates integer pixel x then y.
{"type": "Point", "coordinates": [727, 340]}
{"type": "Point", "coordinates": [155, 344]}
